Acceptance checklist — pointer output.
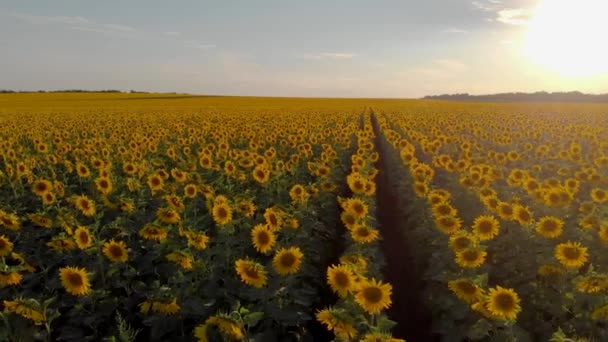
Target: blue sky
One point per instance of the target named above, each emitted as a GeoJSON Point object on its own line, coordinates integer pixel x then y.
{"type": "Point", "coordinates": [285, 48]}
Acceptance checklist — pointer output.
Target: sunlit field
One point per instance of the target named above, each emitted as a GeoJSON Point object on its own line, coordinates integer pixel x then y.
{"type": "Point", "coordinates": [155, 217]}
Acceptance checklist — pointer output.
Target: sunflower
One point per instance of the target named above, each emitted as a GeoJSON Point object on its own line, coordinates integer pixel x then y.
{"type": "Point", "coordinates": [380, 337]}
{"type": "Point", "coordinates": [341, 279]}
{"type": "Point", "coordinates": [6, 246]}
{"type": "Point", "coordinates": [471, 257]}
{"type": "Point", "coordinates": [247, 207]}
{"type": "Point", "coordinates": [448, 224]}
{"type": "Point", "coordinates": [198, 241]}
{"type": "Point", "coordinates": [287, 260]}
{"type": "Point", "coordinates": [222, 213]}
{"type": "Point", "coordinates": [182, 259]}
{"type": "Point", "coordinates": [25, 309]}
{"type": "Point", "coordinates": [104, 185]}
{"type": "Point", "coordinates": [603, 232]}
{"type": "Point", "coordinates": [503, 303]}
{"type": "Point", "coordinates": [83, 237]}
{"type": "Point", "coordinates": [364, 234]}
{"type": "Point", "coordinates": [116, 251]}
{"type": "Point", "coordinates": [550, 227]}
{"type": "Point", "coordinates": [155, 182]}
{"type": "Point", "coordinates": [251, 272]}
{"type": "Point", "coordinates": [75, 280]}
{"type": "Point", "coordinates": [298, 194]}
{"type": "Point", "coordinates": [599, 196]}
{"type": "Point", "coordinates": [374, 296]}
{"type": "Point", "coordinates": [505, 211]}
{"type": "Point", "coordinates": [127, 206]}
{"type": "Point", "coordinates": [261, 174]}
{"type": "Point", "coordinates": [10, 278]}
{"type": "Point", "coordinates": [263, 238]}
{"type": "Point", "coordinates": [592, 284]}
{"type": "Point", "coordinates": [356, 207]}
{"type": "Point", "coordinates": [466, 290]}
{"type": "Point", "coordinates": [549, 271]}
{"type": "Point", "coordinates": [461, 241]}
{"type": "Point", "coordinates": [228, 327]}
{"type": "Point", "coordinates": [444, 209]}
{"type": "Point", "coordinates": [356, 183]}
{"type": "Point", "coordinates": [153, 232]}
{"type": "Point", "coordinates": [571, 254]}
{"type": "Point", "coordinates": [10, 221]}
{"type": "Point", "coordinates": [486, 227]}
{"type": "Point", "coordinates": [40, 220]}
{"type": "Point", "coordinates": [82, 170]}
{"type": "Point", "coordinates": [168, 216]}
{"type": "Point", "coordinates": [190, 190]}
{"type": "Point", "coordinates": [600, 313]}
{"type": "Point", "coordinates": [522, 215]}
{"type": "Point", "coordinates": [273, 219]}
{"type": "Point", "coordinates": [338, 321]}
{"type": "Point", "coordinates": [42, 187]}
{"type": "Point", "coordinates": [85, 205]}
{"type": "Point", "coordinates": [165, 308]}
{"type": "Point", "coordinates": [62, 244]}
{"type": "Point", "coordinates": [349, 219]}
{"type": "Point", "coordinates": [179, 175]}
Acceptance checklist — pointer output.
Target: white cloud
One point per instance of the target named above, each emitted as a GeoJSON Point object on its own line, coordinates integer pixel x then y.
{"type": "Point", "coordinates": [172, 33]}
{"type": "Point", "coordinates": [454, 30]}
{"type": "Point", "coordinates": [74, 23]}
{"type": "Point", "coordinates": [517, 16]}
{"type": "Point", "coordinates": [116, 27]}
{"type": "Point", "coordinates": [43, 19]}
{"type": "Point", "coordinates": [486, 5]}
{"type": "Point", "coordinates": [330, 55]}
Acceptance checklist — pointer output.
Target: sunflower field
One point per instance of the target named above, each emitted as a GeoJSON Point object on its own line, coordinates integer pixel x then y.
{"type": "Point", "coordinates": [155, 217]}
{"type": "Point", "coordinates": [512, 202]}
{"type": "Point", "coordinates": [173, 218]}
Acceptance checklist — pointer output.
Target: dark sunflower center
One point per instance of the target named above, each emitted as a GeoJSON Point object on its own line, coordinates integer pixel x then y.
{"type": "Point", "coordinates": [466, 287]}
{"type": "Point", "coordinates": [372, 294]}
{"type": "Point", "coordinates": [470, 255]}
{"type": "Point", "coordinates": [252, 273]}
{"type": "Point", "coordinates": [222, 213]}
{"type": "Point", "coordinates": [41, 187]}
{"type": "Point", "coordinates": [363, 232]}
{"type": "Point", "coordinates": [485, 227]}
{"type": "Point", "coordinates": [116, 251]}
{"type": "Point", "coordinates": [504, 301]}
{"type": "Point", "coordinates": [572, 253]}
{"type": "Point", "coordinates": [263, 238]}
{"type": "Point", "coordinates": [85, 204]}
{"type": "Point", "coordinates": [75, 279]}
{"type": "Point", "coordinates": [342, 279]}
{"type": "Point", "coordinates": [287, 259]}
{"type": "Point", "coordinates": [462, 242]}
{"type": "Point", "coordinates": [84, 237]}
{"type": "Point", "coordinates": [349, 219]}
{"type": "Point", "coordinates": [549, 226]}
{"type": "Point", "coordinates": [3, 244]}
{"type": "Point", "coordinates": [272, 219]}
{"type": "Point", "coordinates": [155, 181]}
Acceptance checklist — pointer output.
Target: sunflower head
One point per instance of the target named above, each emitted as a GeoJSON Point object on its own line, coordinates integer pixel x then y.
{"type": "Point", "coordinates": [75, 280]}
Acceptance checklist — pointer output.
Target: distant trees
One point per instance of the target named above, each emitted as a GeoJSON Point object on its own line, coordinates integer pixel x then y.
{"type": "Point", "coordinates": [540, 96]}
{"type": "Point", "coordinates": [2, 91]}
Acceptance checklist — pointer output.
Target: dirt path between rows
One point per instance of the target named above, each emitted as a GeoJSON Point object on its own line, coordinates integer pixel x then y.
{"type": "Point", "coordinates": [413, 317]}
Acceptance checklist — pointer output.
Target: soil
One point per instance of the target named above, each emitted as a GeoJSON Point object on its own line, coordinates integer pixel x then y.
{"type": "Point", "coordinates": [413, 317]}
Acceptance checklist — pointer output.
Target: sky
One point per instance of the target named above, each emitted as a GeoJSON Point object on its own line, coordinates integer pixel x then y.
{"type": "Point", "coordinates": [350, 48]}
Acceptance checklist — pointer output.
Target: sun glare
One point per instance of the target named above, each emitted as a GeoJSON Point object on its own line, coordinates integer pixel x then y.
{"type": "Point", "coordinates": [568, 37]}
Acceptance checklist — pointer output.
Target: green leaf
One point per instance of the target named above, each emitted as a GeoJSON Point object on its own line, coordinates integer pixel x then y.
{"type": "Point", "coordinates": [252, 319]}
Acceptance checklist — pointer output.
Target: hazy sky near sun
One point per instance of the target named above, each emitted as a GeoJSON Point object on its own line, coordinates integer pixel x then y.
{"type": "Point", "coordinates": [349, 48]}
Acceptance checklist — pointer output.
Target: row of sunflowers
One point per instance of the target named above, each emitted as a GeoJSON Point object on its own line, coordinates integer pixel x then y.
{"type": "Point", "coordinates": [359, 314]}
{"type": "Point", "coordinates": [513, 208]}
{"type": "Point", "coordinates": [186, 226]}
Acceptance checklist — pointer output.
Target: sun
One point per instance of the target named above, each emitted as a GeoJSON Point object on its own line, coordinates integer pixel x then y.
{"type": "Point", "coordinates": [567, 37]}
